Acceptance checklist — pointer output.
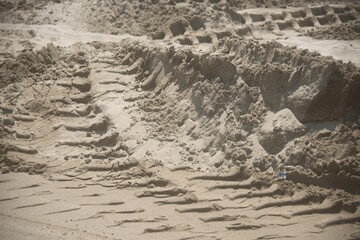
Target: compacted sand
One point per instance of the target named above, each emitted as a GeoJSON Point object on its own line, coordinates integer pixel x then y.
{"type": "Point", "coordinates": [160, 119]}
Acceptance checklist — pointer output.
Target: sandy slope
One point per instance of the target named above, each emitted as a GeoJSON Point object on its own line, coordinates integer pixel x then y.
{"type": "Point", "coordinates": [180, 133]}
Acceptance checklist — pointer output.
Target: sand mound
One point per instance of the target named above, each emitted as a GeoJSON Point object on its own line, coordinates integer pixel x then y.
{"type": "Point", "coordinates": [279, 129]}
{"type": "Point", "coordinates": [190, 22]}
{"type": "Point", "coordinates": [194, 22]}
{"type": "Point", "coordinates": [345, 31]}
{"type": "Point", "coordinates": [228, 106]}
{"type": "Point", "coordinates": [304, 82]}
{"type": "Point", "coordinates": [327, 151]}
{"type": "Point", "coordinates": [29, 65]}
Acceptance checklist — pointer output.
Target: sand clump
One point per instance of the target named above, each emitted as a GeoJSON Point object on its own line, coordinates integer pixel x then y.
{"type": "Point", "coordinates": [28, 64]}
{"type": "Point", "coordinates": [278, 130]}
{"type": "Point", "coordinates": [329, 151]}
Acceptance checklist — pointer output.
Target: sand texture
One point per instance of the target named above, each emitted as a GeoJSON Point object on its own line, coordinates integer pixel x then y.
{"type": "Point", "coordinates": [179, 119]}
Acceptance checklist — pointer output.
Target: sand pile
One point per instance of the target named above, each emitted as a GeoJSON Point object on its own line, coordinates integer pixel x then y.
{"type": "Point", "coordinates": [327, 151]}
{"type": "Point", "coordinates": [298, 71]}
{"type": "Point", "coordinates": [346, 31]}
{"type": "Point", "coordinates": [181, 20]}
{"type": "Point", "coordinates": [133, 17]}
{"type": "Point", "coordinates": [233, 105]}
{"type": "Point", "coordinates": [191, 22]}
{"type": "Point", "coordinates": [30, 65]}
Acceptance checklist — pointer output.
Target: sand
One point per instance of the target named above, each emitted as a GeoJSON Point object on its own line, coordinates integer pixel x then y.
{"type": "Point", "coordinates": [213, 120]}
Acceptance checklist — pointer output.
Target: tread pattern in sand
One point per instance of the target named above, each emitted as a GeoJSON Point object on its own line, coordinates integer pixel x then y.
{"type": "Point", "coordinates": [252, 23]}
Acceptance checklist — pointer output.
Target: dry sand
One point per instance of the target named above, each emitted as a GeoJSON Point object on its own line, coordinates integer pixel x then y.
{"type": "Point", "coordinates": [179, 119]}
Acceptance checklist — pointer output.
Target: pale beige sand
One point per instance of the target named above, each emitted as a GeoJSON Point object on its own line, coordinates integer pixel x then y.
{"type": "Point", "coordinates": [180, 131]}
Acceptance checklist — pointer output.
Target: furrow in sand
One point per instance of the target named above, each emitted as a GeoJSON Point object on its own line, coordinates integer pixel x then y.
{"type": "Point", "coordinates": [63, 211]}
